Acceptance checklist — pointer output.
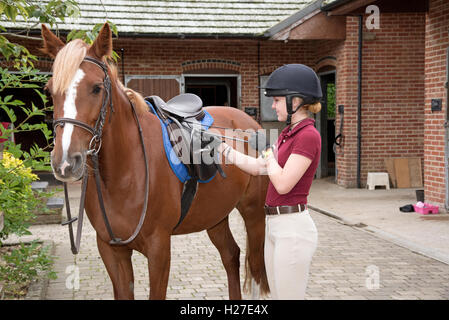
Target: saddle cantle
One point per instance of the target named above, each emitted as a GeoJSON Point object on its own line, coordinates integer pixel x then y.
{"type": "Point", "coordinates": [182, 120]}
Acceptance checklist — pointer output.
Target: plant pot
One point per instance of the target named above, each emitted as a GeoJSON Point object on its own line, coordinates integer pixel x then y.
{"type": "Point", "coordinates": [54, 214]}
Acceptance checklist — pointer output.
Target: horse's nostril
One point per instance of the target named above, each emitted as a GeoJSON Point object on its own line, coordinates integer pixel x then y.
{"type": "Point", "coordinates": [77, 160]}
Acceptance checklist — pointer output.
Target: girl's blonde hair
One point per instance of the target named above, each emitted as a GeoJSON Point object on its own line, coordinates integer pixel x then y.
{"type": "Point", "coordinates": [314, 108]}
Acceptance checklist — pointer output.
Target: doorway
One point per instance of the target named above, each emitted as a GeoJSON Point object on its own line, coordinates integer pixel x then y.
{"type": "Point", "coordinates": [325, 123]}
{"type": "Point", "coordinates": [214, 90]}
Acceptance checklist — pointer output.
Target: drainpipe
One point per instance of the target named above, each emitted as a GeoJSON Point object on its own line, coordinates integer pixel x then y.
{"type": "Point", "coordinates": [122, 52]}
{"type": "Point", "coordinates": [446, 132]}
{"type": "Point", "coordinates": [259, 118]}
{"type": "Point", "coordinates": [359, 103]}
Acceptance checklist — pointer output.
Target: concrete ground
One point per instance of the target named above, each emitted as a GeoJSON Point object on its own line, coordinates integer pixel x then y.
{"type": "Point", "coordinates": [379, 211]}
{"type": "Point", "coordinates": [352, 261]}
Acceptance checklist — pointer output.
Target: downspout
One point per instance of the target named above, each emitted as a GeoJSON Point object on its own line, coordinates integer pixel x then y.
{"type": "Point", "coordinates": [446, 132]}
{"type": "Point", "coordinates": [122, 51]}
{"type": "Point", "coordinates": [259, 118]}
{"type": "Point", "coordinates": [359, 103]}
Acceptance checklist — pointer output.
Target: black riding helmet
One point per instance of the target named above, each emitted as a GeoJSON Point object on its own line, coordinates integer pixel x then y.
{"type": "Point", "coordinates": [294, 80]}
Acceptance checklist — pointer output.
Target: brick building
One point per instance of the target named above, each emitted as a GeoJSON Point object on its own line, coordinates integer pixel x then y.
{"type": "Point", "coordinates": [403, 85]}
{"type": "Point", "coordinates": [385, 78]}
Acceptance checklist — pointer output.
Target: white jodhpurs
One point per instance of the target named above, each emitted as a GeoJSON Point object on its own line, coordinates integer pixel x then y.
{"type": "Point", "coordinates": [290, 243]}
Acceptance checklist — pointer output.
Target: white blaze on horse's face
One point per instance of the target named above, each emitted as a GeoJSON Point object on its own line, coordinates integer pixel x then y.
{"type": "Point", "coordinates": [70, 112]}
{"type": "Point", "coordinates": [69, 167]}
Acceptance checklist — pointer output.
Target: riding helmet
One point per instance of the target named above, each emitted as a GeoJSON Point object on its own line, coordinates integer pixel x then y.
{"type": "Point", "coordinates": [294, 79]}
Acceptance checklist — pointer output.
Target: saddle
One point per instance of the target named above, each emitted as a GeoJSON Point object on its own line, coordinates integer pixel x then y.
{"type": "Point", "coordinates": [191, 155]}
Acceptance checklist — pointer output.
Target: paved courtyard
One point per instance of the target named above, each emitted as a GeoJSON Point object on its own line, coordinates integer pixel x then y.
{"type": "Point", "coordinates": [349, 264]}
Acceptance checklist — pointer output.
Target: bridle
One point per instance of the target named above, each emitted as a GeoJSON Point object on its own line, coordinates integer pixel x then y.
{"type": "Point", "coordinates": [94, 149]}
{"type": "Point", "coordinates": [97, 130]}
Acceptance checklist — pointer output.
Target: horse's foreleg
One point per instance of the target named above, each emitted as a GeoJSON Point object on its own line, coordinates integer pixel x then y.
{"type": "Point", "coordinates": [158, 254]}
{"type": "Point", "coordinates": [119, 266]}
{"type": "Point", "coordinates": [222, 238]}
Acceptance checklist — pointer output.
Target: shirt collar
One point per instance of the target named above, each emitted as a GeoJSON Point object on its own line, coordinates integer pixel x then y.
{"type": "Point", "coordinates": [287, 132]}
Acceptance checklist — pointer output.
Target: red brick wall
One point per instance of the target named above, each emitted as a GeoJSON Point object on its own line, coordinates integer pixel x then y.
{"type": "Point", "coordinates": [436, 42]}
{"type": "Point", "coordinates": [176, 56]}
{"type": "Point", "coordinates": [145, 56]}
{"type": "Point", "coordinates": [346, 94]}
{"type": "Point", "coordinates": [392, 93]}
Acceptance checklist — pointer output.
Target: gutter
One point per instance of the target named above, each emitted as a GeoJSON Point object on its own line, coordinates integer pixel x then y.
{"type": "Point", "coordinates": [161, 35]}
{"type": "Point", "coordinates": [359, 103]}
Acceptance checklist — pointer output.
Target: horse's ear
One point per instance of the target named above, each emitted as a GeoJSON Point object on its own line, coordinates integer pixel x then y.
{"type": "Point", "coordinates": [52, 44]}
{"type": "Point", "coordinates": [102, 45]}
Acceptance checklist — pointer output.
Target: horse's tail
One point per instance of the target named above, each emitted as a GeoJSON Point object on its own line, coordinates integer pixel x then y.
{"type": "Point", "coordinates": [251, 210]}
{"type": "Point", "coordinates": [255, 271]}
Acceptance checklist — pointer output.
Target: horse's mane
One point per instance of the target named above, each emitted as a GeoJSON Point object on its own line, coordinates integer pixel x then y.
{"type": "Point", "coordinates": [66, 63]}
{"type": "Point", "coordinates": [69, 59]}
{"type": "Point", "coordinates": [137, 99]}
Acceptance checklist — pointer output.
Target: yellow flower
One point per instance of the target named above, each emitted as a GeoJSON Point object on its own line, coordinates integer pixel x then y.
{"type": "Point", "coordinates": [9, 162]}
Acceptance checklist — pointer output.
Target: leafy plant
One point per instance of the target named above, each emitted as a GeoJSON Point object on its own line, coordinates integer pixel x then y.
{"type": "Point", "coordinates": [17, 200]}
{"type": "Point", "coordinates": [20, 266]}
{"type": "Point", "coordinates": [330, 100]}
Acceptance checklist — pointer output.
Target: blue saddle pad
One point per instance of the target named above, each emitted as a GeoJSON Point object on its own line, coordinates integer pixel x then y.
{"type": "Point", "coordinates": [177, 166]}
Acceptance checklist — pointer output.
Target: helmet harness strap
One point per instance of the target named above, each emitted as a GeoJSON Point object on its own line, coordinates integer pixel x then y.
{"type": "Point", "coordinates": [289, 103]}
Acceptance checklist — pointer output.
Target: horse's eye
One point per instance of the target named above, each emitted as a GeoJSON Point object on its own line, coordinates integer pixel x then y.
{"type": "Point", "coordinates": [96, 89]}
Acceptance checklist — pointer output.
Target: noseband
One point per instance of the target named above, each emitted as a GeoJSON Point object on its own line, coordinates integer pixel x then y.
{"type": "Point", "coordinates": [94, 149]}
{"type": "Point", "coordinates": [97, 130]}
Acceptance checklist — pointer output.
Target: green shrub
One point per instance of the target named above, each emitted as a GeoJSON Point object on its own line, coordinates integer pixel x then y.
{"type": "Point", "coordinates": [20, 266]}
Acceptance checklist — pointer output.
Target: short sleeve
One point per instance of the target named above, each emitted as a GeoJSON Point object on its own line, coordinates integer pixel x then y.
{"type": "Point", "coordinates": [307, 144]}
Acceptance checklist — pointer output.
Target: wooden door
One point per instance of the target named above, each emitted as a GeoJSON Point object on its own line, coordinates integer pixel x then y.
{"type": "Point", "coordinates": [162, 87]}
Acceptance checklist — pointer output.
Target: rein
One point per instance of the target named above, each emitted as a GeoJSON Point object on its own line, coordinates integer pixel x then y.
{"type": "Point", "coordinates": [94, 149]}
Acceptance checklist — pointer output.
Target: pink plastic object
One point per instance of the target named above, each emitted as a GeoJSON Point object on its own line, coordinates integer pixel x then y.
{"type": "Point", "coordinates": [428, 208]}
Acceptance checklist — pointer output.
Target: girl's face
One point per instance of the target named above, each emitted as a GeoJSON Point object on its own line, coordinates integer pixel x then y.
{"type": "Point", "coordinates": [279, 104]}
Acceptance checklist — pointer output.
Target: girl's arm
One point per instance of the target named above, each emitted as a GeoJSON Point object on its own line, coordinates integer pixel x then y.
{"type": "Point", "coordinates": [284, 179]}
{"type": "Point", "coordinates": [251, 165]}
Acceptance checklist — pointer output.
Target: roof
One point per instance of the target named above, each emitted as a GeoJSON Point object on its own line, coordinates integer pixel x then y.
{"type": "Point", "coordinates": [308, 11]}
{"type": "Point", "coordinates": [332, 3]}
{"type": "Point", "coordinates": [177, 18]}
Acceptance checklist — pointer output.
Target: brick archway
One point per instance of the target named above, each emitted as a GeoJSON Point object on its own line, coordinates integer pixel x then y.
{"type": "Point", "coordinates": [325, 64]}
{"type": "Point", "coordinates": [208, 65]}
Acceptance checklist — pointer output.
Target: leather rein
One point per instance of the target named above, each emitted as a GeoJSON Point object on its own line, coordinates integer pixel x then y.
{"type": "Point", "coordinates": [94, 149]}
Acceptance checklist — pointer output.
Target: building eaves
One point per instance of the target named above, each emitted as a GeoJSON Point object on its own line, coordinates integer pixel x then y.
{"type": "Point", "coordinates": [295, 19]}
{"type": "Point", "coordinates": [332, 4]}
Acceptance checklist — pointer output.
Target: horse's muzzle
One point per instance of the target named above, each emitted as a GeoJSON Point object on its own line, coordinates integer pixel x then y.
{"type": "Point", "coordinates": [70, 169]}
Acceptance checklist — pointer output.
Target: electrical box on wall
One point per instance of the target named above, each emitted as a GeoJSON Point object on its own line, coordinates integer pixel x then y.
{"type": "Point", "coordinates": [436, 105]}
{"type": "Point", "coordinates": [341, 109]}
{"type": "Point", "coordinates": [251, 111]}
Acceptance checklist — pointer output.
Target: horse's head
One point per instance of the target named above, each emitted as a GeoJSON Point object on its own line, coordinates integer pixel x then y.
{"type": "Point", "coordinates": [81, 89]}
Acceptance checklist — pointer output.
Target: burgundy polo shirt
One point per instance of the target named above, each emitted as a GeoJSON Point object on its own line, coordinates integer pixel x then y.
{"type": "Point", "coordinates": [305, 140]}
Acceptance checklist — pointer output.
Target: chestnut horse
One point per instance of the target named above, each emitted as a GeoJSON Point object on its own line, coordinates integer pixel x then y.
{"type": "Point", "coordinates": [78, 89]}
